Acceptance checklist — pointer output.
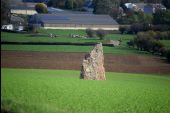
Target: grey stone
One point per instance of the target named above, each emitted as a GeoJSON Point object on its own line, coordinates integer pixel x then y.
{"type": "Point", "coordinates": [93, 65]}
{"type": "Point", "coordinates": [114, 42]}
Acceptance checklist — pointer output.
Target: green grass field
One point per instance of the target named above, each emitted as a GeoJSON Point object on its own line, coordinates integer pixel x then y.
{"type": "Point", "coordinates": [64, 37]}
{"type": "Point", "coordinates": [58, 91]}
{"type": "Point", "coordinates": [166, 43]}
{"type": "Point", "coordinates": [70, 48]}
{"type": "Point", "coordinates": [18, 37]}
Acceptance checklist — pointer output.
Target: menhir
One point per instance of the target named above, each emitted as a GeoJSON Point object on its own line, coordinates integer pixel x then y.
{"type": "Point", "coordinates": [93, 65]}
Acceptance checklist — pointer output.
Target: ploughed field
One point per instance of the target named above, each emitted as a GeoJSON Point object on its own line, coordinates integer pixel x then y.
{"type": "Point", "coordinates": [72, 61]}
{"type": "Point", "coordinates": [61, 91]}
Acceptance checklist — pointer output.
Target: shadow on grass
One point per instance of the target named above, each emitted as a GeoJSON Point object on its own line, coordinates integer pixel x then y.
{"type": "Point", "coordinates": [7, 107]}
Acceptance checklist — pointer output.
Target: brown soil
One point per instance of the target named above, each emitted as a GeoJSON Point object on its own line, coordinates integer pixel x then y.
{"type": "Point", "coordinates": [72, 61]}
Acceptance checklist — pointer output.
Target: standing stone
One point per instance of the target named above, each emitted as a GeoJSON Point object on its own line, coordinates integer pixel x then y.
{"type": "Point", "coordinates": [93, 65]}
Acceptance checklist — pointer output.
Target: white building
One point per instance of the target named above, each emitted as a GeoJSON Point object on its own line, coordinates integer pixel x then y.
{"type": "Point", "coordinates": [75, 21]}
{"type": "Point", "coordinates": [23, 8]}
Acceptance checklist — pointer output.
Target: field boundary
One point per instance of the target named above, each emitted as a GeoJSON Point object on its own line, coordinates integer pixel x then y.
{"type": "Point", "coordinates": [54, 43]}
{"type": "Point", "coordinates": [73, 61]}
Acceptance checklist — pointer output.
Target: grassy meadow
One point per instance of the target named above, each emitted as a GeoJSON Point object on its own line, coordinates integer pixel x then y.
{"type": "Point", "coordinates": [70, 48]}
{"type": "Point", "coordinates": [61, 91]}
{"type": "Point", "coordinates": [64, 37]}
{"type": "Point", "coordinates": [166, 43]}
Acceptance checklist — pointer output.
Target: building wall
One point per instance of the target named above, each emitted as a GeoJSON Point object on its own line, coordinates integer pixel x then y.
{"type": "Point", "coordinates": [25, 12]}
{"type": "Point", "coordinates": [81, 26]}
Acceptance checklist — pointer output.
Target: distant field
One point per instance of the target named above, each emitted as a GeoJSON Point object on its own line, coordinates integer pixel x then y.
{"type": "Point", "coordinates": [63, 37]}
{"type": "Point", "coordinates": [166, 43]}
{"type": "Point", "coordinates": [58, 91]}
{"type": "Point", "coordinates": [70, 48]}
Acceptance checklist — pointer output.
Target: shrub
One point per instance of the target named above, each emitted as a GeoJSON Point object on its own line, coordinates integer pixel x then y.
{"type": "Point", "coordinates": [122, 29]}
{"type": "Point", "coordinates": [156, 46]}
{"type": "Point", "coordinates": [162, 51]}
{"type": "Point", "coordinates": [90, 33]}
{"type": "Point", "coordinates": [160, 27]}
{"type": "Point", "coordinates": [101, 34]}
{"type": "Point", "coordinates": [33, 28]}
{"type": "Point", "coordinates": [41, 8]}
{"type": "Point", "coordinates": [131, 43]}
{"type": "Point", "coordinates": [146, 41]}
{"type": "Point", "coordinates": [167, 54]}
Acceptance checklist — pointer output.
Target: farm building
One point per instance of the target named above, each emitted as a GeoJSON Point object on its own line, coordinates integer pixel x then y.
{"type": "Point", "coordinates": [23, 8]}
{"type": "Point", "coordinates": [75, 21]}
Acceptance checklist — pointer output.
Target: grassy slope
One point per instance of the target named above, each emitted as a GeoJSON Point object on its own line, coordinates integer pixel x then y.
{"type": "Point", "coordinates": [123, 49]}
{"type": "Point", "coordinates": [166, 43]}
{"type": "Point", "coordinates": [64, 37]}
{"type": "Point", "coordinates": [70, 48]}
{"type": "Point", "coordinates": [54, 91]}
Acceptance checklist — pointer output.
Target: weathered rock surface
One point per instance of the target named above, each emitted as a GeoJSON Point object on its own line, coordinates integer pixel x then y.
{"type": "Point", "coordinates": [114, 42]}
{"type": "Point", "coordinates": [93, 65]}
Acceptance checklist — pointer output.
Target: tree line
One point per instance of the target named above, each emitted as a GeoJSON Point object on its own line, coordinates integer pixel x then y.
{"type": "Point", "coordinates": [141, 27]}
{"type": "Point", "coordinates": [150, 42]}
{"type": "Point", "coordinates": [66, 4]}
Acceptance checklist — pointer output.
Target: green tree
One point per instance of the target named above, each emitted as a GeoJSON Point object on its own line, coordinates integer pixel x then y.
{"type": "Point", "coordinates": [69, 4]}
{"type": "Point", "coordinates": [101, 34]}
{"type": "Point", "coordinates": [166, 3]}
{"type": "Point", "coordinates": [56, 3]}
{"type": "Point", "coordinates": [79, 3]}
{"type": "Point", "coordinates": [123, 29]}
{"type": "Point", "coordinates": [105, 6]}
{"type": "Point", "coordinates": [41, 8]}
{"type": "Point", "coordinates": [167, 54]}
{"type": "Point", "coordinates": [90, 33]}
{"type": "Point", "coordinates": [153, 1]}
{"type": "Point", "coordinates": [161, 17]}
{"type": "Point", "coordinates": [5, 12]}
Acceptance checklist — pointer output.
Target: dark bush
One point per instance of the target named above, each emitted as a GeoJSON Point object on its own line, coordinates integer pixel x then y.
{"type": "Point", "coordinates": [149, 41]}
{"type": "Point", "coordinates": [33, 28]}
{"type": "Point", "coordinates": [101, 34]}
{"type": "Point", "coordinates": [131, 43]}
{"type": "Point", "coordinates": [167, 55]}
{"type": "Point", "coordinates": [160, 27]}
{"type": "Point", "coordinates": [140, 27]}
{"type": "Point", "coordinates": [90, 33]}
{"type": "Point", "coordinates": [41, 8]}
{"type": "Point", "coordinates": [122, 29]}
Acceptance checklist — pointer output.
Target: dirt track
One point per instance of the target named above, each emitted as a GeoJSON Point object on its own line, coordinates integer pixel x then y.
{"type": "Point", "coordinates": [72, 61]}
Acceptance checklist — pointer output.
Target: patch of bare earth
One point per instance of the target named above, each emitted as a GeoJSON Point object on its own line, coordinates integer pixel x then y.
{"type": "Point", "coordinates": [72, 61]}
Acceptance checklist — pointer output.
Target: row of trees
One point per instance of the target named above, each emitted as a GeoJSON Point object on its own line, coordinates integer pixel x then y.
{"type": "Point", "coordinates": [66, 4]}
{"type": "Point", "coordinates": [99, 33]}
{"type": "Point", "coordinates": [165, 2]}
{"type": "Point", "coordinates": [138, 27]}
{"type": "Point", "coordinates": [5, 12]}
{"type": "Point", "coordinates": [159, 17]}
{"type": "Point", "coordinates": [145, 41]}
{"type": "Point", "coordinates": [157, 35]}
{"type": "Point", "coordinates": [100, 6]}
{"type": "Point", "coordinates": [135, 17]}
{"type": "Point", "coordinates": [110, 7]}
